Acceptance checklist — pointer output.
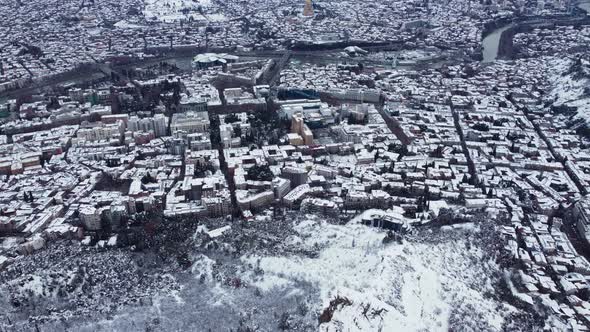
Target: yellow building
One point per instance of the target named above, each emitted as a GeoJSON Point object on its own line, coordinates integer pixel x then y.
{"type": "Point", "coordinates": [308, 9]}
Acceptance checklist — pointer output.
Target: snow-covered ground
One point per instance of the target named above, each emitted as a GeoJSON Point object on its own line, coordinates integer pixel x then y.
{"type": "Point", "coordinates": [567, 88]}
{"type": "Point", "coordinates": [124, 24]}
{"type": "Point", "coordinates": [267, 275]}
{"type": "Point", "coordinates": [391, 287]}
{"type": "Point", "coordinates": [169, 11]}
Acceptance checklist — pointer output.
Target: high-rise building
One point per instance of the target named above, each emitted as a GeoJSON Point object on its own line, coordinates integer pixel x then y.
{"type": "Point", "coordinates": [297, 123]}
{"type": "Point", "coordinates": [90, 217]}
{"type": "Point", "coordinates": [308, 9]}
{"type": "Point", "coordinates": [296, 175]}
{"type": "Point", "coordinates": [158, 124]}
{"type": "Point", "coordinates": [300, 128]}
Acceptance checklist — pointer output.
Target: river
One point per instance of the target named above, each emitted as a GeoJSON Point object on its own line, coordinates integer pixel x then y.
{"type": "Point", "coordinates": [584, 5]}
{"type": "Point", "coordinates": [491, 43]}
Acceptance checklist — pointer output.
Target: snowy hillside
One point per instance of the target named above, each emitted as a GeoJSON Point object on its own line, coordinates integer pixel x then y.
{"type": "Point", "coordinates": [571, 85]}
{"type": "Point", "coordinates": [373, 286]}
{"type": "Point", "coordinates": [299, 274]}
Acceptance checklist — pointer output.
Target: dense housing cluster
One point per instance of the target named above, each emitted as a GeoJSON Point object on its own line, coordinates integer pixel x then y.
{"type": "Point", "coordinates": [64, 35]}
{"type": "Point", "coordinates": [375, 113]}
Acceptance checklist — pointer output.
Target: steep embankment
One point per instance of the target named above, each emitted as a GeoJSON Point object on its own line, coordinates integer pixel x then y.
{"type": "Point", "coordinates": [570, 80]}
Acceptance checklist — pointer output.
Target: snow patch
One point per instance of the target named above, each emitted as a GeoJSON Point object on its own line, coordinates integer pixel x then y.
{"type": "Point", "coordinates": [566, 89]}
{"type": "Point", "coordinates": [170, 11]}
{"type": "Point", "coordinates": [123, 24]}
{"type": "Point", "coordinates": [202, 268]}
{"type": "Point", "coordinates": [407, 287]}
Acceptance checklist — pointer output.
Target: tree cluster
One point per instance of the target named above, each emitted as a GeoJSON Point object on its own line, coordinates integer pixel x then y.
{"type": "Point", "coordinates": [260, 173]}
{"type": "Point", "coordinates": [28, 197]}
{"type": "Point", "coordinates": [481, 127]}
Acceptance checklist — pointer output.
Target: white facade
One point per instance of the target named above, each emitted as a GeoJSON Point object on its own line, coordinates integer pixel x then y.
{"type": "Point", "coordinates": [90, 217]}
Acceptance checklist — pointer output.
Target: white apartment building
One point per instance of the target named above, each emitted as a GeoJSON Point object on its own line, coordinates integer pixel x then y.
{"type": "Point", "coordinates": [191, 122]}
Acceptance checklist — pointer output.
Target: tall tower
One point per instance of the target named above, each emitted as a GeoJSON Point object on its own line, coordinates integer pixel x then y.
{"type": "Point", "coordinates": [308, 9]}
